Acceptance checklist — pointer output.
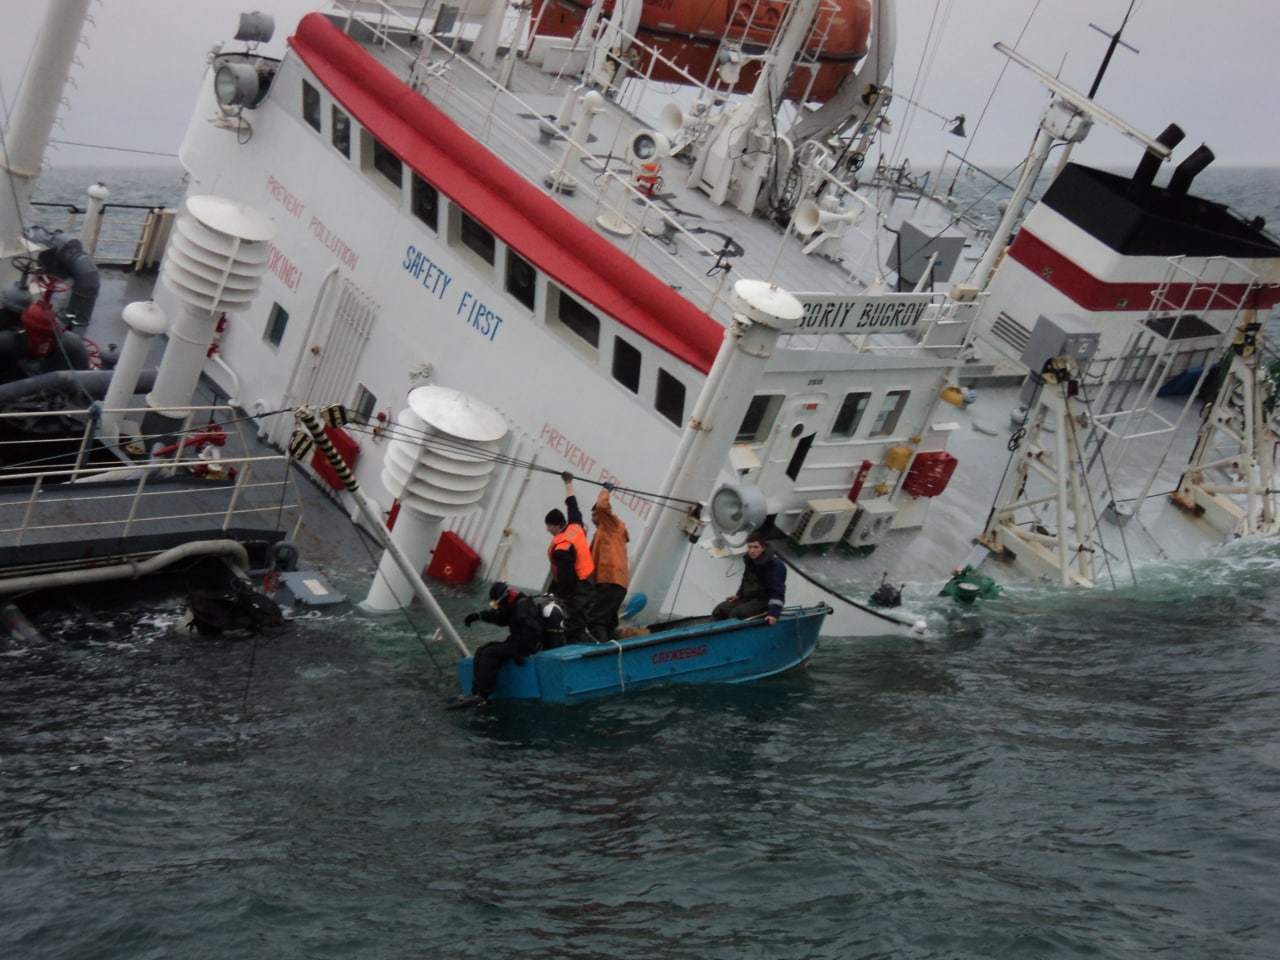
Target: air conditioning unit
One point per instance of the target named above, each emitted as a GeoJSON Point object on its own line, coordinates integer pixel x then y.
{"type": "Point", "coordinates": [823, 521]}
{"type": "Point", "coordinates": [873, 520]}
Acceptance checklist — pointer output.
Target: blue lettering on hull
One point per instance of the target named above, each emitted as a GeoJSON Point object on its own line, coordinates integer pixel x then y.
{"type": "Point", "coordinates": [435, 281]}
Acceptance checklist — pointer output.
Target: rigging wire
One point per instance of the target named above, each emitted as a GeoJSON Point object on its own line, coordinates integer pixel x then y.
{"type": "Point", "coordinates": [992, 95]}
{"type": "Point", "coordinates": [445, 444]}
{"type": "Point", "coordinates": [928, 58]}
{"type": "Point", "coordinates": [103, 146]}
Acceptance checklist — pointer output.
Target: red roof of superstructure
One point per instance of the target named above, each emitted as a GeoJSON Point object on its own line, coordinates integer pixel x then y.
{"type": "Point", "coordinates": [507, 204]}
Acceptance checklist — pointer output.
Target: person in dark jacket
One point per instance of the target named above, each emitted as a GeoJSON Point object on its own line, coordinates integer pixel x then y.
{"type": "Point", "coordinates": [572, 569]}
{"type": "Point", "coordinates": [522, 617]}
{"type": "Point", "coordinates": [763, 588]}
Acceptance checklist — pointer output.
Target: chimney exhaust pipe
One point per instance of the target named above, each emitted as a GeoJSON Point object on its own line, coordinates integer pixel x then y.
{"type": "Point", "coordinates": [1145, 174]}
{"type": "Point", "coordinates": [1180, 182]}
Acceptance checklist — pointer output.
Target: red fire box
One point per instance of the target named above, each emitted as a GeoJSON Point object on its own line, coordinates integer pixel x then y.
{"type": "Point", "coordinates": [452, 560]}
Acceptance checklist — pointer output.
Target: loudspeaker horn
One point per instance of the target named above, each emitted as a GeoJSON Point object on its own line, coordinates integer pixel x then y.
{"type": "Point", "coordinates": [670, 120]}
{"type": "Point", "coordinates": [810, 218]}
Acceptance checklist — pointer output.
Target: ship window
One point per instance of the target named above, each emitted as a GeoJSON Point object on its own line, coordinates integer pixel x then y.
{"type": "Point", "coordinates": [759, 418]}
{"type": "Point", "coordinates": [895, 402]}
{"type": "Point", "coordinates": [669, 397]}
{"type": "Point", "coordinates": [311, 105]}
{"type": "Point", "coordinates": [387, 163]}
{"type": "Point", "coordinates": [579, 319]}
{"type": "Point", "coordinates": [426, 202]}
{"type": "Point", "coordinates": [626, 364]}
{"type": "Point", "coordinates": [522, 278]}
{"type": "Point", "coordinates": [342, 132]}
{"type": "Point", "coordinates": [363, 404]}
{"type": "Point", "coordinates": [277, 320]}
{"type": "Point", "coordinates": [849, 416]}
{"type": "Point", "coordinates": [477, 239]}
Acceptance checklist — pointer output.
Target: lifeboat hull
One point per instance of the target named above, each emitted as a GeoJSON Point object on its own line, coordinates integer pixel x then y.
{"type": "Point", "coordinates": [689, 34]}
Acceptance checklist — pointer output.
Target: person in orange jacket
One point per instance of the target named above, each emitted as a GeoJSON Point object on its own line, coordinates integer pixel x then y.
{"type": "Point", "coordinates": [609, 551]}
{"type": "Point", "coordinates": [572, 568]}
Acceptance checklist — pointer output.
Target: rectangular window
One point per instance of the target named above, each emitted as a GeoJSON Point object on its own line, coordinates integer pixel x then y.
{"type": "Point", "coordinates": [895, 401]}
{"type": "Point", "coordinates": [477, 239]}
{"type": "Point", "coordinates": [426, 202]}
{"type": "Point", "coordinates": [579, 319]}
{"type": "Point", "coordinates": [341, 132]}
{"type": "Point", "coordinates": [849, 416]}
{"type": "Point", "coordinates": [522, 278]}
{"type": "Point", "coordinates": [669, 398]}
{"type": "Point", "coordinates": [388, 164]}
{"type": "Point", "coordinates": [277, 320]}
{"type": "Point", "coordinates": [363, 404]}
{"type": "Point", "coordinates": [759, 418]}
{"type": "Point", "coordinates": [311, 105]}
{"type": "Point", "coordinates": [626, 364]}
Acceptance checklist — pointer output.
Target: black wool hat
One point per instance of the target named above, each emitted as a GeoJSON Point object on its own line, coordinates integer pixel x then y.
{"type": "Point", "coordinates": [498, 590]}
{"type": "Point", "coordinates": [555, 518]}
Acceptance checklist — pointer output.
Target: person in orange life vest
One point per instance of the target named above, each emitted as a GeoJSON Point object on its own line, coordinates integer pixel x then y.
{"type": "Point", "coordinates": [609, 551]}
{"type": "Point", "coordinates": [571, 564]}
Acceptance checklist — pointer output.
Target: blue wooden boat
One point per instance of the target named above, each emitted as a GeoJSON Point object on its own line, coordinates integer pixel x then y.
{"type": "Point", "coordinates": [686, 651]}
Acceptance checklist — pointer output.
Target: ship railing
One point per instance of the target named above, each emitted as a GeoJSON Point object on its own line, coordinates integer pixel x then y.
{"type": "Point", "coordinates": [129, 235]}
{"type": "Point", "coordinates": [53, 486]}
{"type": "Point", "coordinates": [502, 115]}
{"type": "Point", "coordinates": [1126, 410]}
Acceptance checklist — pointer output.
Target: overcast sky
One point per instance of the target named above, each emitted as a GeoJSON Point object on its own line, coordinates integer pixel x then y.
{"type": "Point", "coordinates": [1208, 66]}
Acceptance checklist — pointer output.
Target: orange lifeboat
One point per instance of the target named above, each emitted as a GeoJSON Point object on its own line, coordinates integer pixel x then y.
{"type": "Point", "coordinates": [689, 34]}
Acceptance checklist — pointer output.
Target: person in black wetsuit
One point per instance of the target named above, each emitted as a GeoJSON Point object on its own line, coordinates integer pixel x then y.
{"type": "Point", "coordinates": [522, 617]}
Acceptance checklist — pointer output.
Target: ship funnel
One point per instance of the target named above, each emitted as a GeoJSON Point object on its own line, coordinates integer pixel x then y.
{"type": "Point", "coordinates": [1145, 174]}
{"type": "Point", "coordinates": [1187, 170]}
{"type": "Point", "coordinates": [213, 265]}
{"type": "Point", "coordinates": [438, 466]}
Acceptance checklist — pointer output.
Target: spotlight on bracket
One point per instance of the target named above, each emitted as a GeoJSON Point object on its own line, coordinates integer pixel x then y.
{"type": "Point", "coordinates": [236, 85]}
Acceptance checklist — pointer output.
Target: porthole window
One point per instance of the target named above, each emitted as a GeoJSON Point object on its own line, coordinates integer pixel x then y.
{"type": "Point", "coordinates": [522, 279]}
{"type": "Point", "coordinates": [579, 319]}
{"type": "Point", "coordinates": [387, 164]}
{"type": "Point", "coordinates": [895, 401]}
{"type": "Point", "coordinates": [363, 404]}
{"type": "Point", "coordinates": [849, 415]}
{"type": "Point", "coordinates": [477, 239]}
{"type": "Point", "coordinates": [277, 320]}
{"type": "Point", "coordinates": [669, 398]}
{"type": "Point", "coordinates": [626, 364]}
{"type": "Point", "coordinates": [426, 202]}
{"type": "Point", "coordinates": [759, 418]}
{"type": "Point", "coordinates": [341, 132]}
{"type": "Point", "coordinates": [311, 105]}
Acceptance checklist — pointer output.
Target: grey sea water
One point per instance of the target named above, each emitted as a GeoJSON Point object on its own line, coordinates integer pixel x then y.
{"type": "Point", "coordinates": [1049, 775]}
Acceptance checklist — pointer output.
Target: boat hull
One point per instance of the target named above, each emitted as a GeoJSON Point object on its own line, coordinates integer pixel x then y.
{"type": "Point", "coordinates": [724, 651]}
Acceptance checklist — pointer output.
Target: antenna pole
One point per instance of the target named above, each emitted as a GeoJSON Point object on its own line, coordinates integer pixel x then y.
{"type": "Point", "coordinates": [1102, 68]}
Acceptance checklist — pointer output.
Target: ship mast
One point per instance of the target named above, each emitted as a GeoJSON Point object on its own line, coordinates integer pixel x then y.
{"type": "Point", "coordinates": [27, 135]}
{"type": "Point", "coordinates": [744, 150]}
